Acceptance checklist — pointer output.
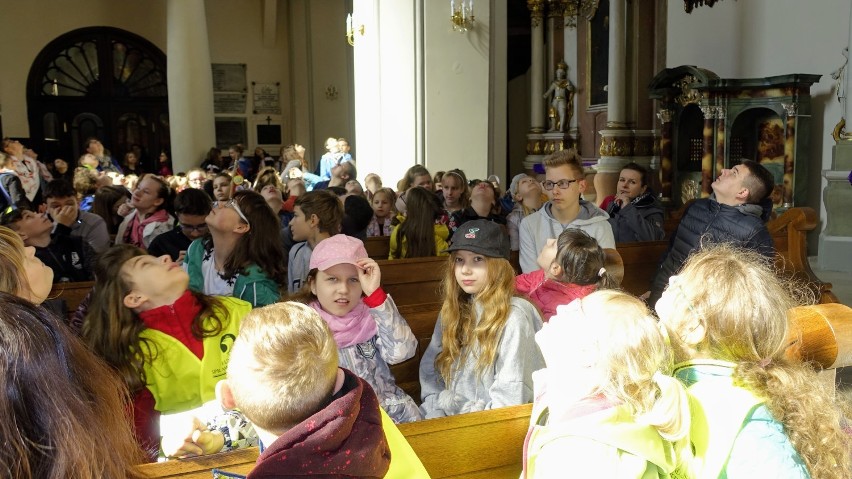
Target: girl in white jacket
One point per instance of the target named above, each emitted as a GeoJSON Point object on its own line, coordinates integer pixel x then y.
{"type": "Point", "coordinates": [483, 353]}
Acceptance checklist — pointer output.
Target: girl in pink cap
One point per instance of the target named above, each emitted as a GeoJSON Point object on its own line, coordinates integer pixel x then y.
{"type": "Point", "coordinates": [344, 287]}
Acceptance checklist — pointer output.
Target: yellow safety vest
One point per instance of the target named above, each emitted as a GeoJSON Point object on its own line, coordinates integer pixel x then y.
{"type": "Point", "coordinates": [177, 379]}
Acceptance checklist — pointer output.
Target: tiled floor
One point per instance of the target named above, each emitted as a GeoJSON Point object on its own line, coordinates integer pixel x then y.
{"type": "Point", "coordinates": [841, 282]}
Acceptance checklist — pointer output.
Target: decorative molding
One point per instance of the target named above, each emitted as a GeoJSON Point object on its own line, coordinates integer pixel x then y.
{"type": "Point", "coordinates": [573, 10]}
{"type": "Point", "coordinates": [536, 8]}
{"type": "Point", "coordinates": [792, 109]}
{"type": "Point", "coordinates": [665, 115]}
{"type": "Point", "coordinates": [616, 146]}
{"type": "Point", "coordinates": [688, 95]}
{"type": "Point", "coordinates": [556, 9]}
{"type": "Point", "coordinates": [708, 111]}
{"type": "Point", "coordinates": [721, 112]}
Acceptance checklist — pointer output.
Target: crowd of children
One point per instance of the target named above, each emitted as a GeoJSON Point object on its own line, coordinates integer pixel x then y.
{"type": "Point", "coordinates": [244, 280]}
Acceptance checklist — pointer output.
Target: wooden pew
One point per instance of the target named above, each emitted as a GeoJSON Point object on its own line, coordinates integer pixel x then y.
{"type": "Point", "coordinates": [71, 293]}
{"type": "Point", "coordinates": [489, 444]}
{"type": "Point", "coordinates": [378, 247]}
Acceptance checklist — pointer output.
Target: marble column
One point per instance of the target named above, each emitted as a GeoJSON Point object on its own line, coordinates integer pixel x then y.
{"type": "Point", "coordinates": [666, 170]}
{"type": "Point", "coordinates": [617, 139]}
{"type": "Point", "coordinates": [721, 115]}
{"type": "Point", "coordinates": [616, 80]}
{"type": "Point", "coordinates": [708, 144]}
{"type": "Point", "coordinates": [535, 137]}
{"type": "Point", "coordinates": [537, 68]}
{"type": "Point", "coordinates": [190, 83]}
{"type": "Point", "coordinates": [792, 110]}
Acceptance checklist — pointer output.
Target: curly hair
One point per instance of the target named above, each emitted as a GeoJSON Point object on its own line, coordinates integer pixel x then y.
{"type": "Point", "coordinates": [461, 333]}
{"type": "Point", "coordinates": [742, 303]}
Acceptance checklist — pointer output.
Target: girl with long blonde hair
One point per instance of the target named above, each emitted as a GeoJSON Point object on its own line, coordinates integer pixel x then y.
{"type": "Point", "coordinates": [483, 352]}
{"type": "Point", "coordinates": [759, 413]}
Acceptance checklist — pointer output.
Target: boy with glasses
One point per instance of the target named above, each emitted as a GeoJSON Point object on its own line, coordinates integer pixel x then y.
{"type": "Point", "coordinates": [191, 208]}
{"type": "Point", "coordinates": [564, 183]}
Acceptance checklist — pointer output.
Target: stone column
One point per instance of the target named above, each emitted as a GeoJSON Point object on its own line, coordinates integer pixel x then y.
{"type": "Point", "coordinates": [190, 83]}
{"type": "Point", "coordinates": [617, 140]}
{"type": "Point", "coordinates": [616, 88]}
{"type": "Point", "coordinates": [537, 68]}
{"type": "Point", "coordinates": [535, 137]}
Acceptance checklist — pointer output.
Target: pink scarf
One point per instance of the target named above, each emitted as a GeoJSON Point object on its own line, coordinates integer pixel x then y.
{"type": "Point", "coordinates": [136, 229]}
{"type": "Point", "coordinates": [356, 327]}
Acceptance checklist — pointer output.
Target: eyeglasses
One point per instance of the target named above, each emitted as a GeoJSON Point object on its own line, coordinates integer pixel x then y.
{"type": "Point", "coordinates": [232, 204]}
{"type": "Point", "coordinates": [190, 228]}
{"type": "Point", "coordinates": [562, 184]}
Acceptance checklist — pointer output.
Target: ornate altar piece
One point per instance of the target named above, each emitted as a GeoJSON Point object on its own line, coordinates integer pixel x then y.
{"type": "Point", "coordinates": [710, 123]}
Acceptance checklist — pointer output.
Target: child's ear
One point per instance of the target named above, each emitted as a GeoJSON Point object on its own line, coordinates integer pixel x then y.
{"type": "Point", "coordinates": [313, 284]}
{"type": "Point", "coordinates": [314, 221]}
{"type": "Point", "coordinates": [693, 331]}
{"type": "Point", "coordinates": [225, 395]}
{"type": "Point", "coordinates": [242, 228]}
{"type": "Point", "coordinates": [555, 270]}
{"type": "Point", "coordinates": [134, 299]}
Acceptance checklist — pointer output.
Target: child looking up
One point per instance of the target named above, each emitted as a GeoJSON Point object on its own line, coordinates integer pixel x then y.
{"type": "Point", "coordinates": [317, 215]}
{"type": "Point", "coordinates": [21, 272]}
{"type": "Point", "coordinates": [483, 353]}
{"type": "Point", "coordinates": [604, 406]}
{"type": "Point", "coordinates": [243, 256]}
{"type": "Point", "coordinates": [343, 286]}
{"type": "Point", "coordinates": [146, 215]}
{"type": "Point", "coordinates": [526, 193]}
{"type": "Point", "coordinates": [383, 212]}
{"type": "Point", "coordinates": [171, 345]}
{"type": "Point", "coordinates": [420, 233]}
{"type": "Point", "coordinates": [758, 414]}
{"type": "Point", "coordinates": [572, 266]}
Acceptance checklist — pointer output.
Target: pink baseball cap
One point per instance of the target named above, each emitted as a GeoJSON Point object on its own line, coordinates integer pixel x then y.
{"type": "Point", "coordinates": [336, 250]}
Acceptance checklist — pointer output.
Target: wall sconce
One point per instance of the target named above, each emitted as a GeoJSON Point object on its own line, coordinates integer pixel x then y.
{"type": "Point", "coordinates": [461, 15]}
{"type": "Point", "coordinates": [350, 31]}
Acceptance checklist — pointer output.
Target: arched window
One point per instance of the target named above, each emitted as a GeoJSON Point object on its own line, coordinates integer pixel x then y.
{"type": "Point", "coordinates": [98, 81]}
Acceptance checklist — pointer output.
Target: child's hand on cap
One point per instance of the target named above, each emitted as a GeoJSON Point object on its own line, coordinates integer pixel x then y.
{"type": "Point", "coordinates": [369, 275]}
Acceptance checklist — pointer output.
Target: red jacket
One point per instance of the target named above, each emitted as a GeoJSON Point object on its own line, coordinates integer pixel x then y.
{"type": "Point", "coordinates": [547, 294]}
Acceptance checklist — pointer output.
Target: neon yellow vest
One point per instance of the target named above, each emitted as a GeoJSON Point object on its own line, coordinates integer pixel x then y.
{"type": "Point", "coordinates": [404, 461]}
{"type": "Point", "coordinates": [719, 411]}
{"type": "Point", "coordinates": [177, 379]}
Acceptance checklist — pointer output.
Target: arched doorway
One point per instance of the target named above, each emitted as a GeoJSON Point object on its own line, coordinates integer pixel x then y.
{"type": "Point", "coordinates": [103, 82]}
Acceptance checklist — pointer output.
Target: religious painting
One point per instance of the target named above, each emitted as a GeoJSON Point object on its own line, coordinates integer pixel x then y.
{"type": "Point", "coordinates": [770, 154]}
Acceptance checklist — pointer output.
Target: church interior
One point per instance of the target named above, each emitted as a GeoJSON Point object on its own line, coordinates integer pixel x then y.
{"type": "Point", "coordinates": [409, 83]}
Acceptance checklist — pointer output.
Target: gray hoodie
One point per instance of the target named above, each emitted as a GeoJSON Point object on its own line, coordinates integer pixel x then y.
{"type": "Point", "coordinates": [508, 382]}
{"type": "Point", "coordinates": [540, 226]}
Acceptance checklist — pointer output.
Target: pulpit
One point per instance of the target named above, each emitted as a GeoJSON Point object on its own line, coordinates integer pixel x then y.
{"type": "Point", "coordinates": [710, 123]}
